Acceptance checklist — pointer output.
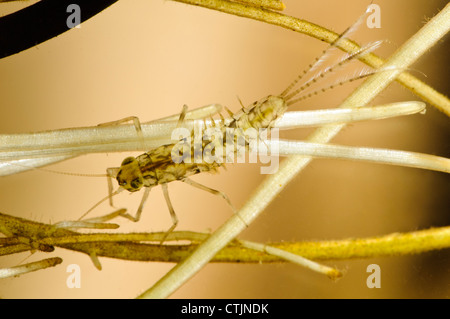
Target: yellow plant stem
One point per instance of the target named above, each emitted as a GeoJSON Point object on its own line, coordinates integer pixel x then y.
{"type": "Point", "coordinates": [124, 246]}
{"type": "Point", "coordinates": [422, 90]}
{"type": "Point", "coordinates": [267, 4]}
{"type": "Point", "coordinates": [25, 235]}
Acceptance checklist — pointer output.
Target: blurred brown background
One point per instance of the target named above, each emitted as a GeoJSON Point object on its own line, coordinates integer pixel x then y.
{"type": "Point", "coordinates": [148, 58]}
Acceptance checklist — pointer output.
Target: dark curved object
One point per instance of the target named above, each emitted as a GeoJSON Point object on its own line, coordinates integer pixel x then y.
{"type": "Point", "coordinates": [42, 21]}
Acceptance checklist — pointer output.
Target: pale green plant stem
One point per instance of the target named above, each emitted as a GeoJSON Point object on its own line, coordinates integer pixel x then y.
{"type": "Point", "coordinates": [409, 52]}
{"type": "Point", "coordinates": [427, 93]}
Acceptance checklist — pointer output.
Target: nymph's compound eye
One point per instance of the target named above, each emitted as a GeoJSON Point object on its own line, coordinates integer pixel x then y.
{"type": "Point", "coordinates": [120, 180]}
{"type": "Point", "coordinates": [129, 176]}
{"type": "Point", "coordinates": [136, 183]}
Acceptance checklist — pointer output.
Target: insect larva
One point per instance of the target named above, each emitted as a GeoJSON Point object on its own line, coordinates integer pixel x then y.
{"type": "Point", "coordinates": [157, 166]}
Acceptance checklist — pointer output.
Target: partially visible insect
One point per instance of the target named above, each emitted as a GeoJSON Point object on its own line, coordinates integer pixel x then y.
{"type": "Point", "coordinates": [157, 167]}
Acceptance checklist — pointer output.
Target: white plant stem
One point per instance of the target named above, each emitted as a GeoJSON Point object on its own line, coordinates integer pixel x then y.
{"type": "Point", "coordinates": [348, 115]}
{"type": "Point", "coordinates": [21, 152]}
{"type": "Point", "coordinates": [367, 154]}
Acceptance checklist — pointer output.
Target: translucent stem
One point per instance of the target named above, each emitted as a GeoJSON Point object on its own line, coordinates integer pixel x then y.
{"type": "Point", "coordinates": [333, 116]}
{"type": "Point", "coordinates": [366, 154]}
{"type": "Point", "coordinates": [21, 152]}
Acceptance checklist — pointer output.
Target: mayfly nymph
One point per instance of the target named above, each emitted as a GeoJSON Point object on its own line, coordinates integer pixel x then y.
{"type": "Point", "coordinates": [157, 167]}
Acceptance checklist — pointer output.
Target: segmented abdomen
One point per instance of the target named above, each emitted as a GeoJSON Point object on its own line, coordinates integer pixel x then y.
{"type": "Point", "coordinates": [160, 166]}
